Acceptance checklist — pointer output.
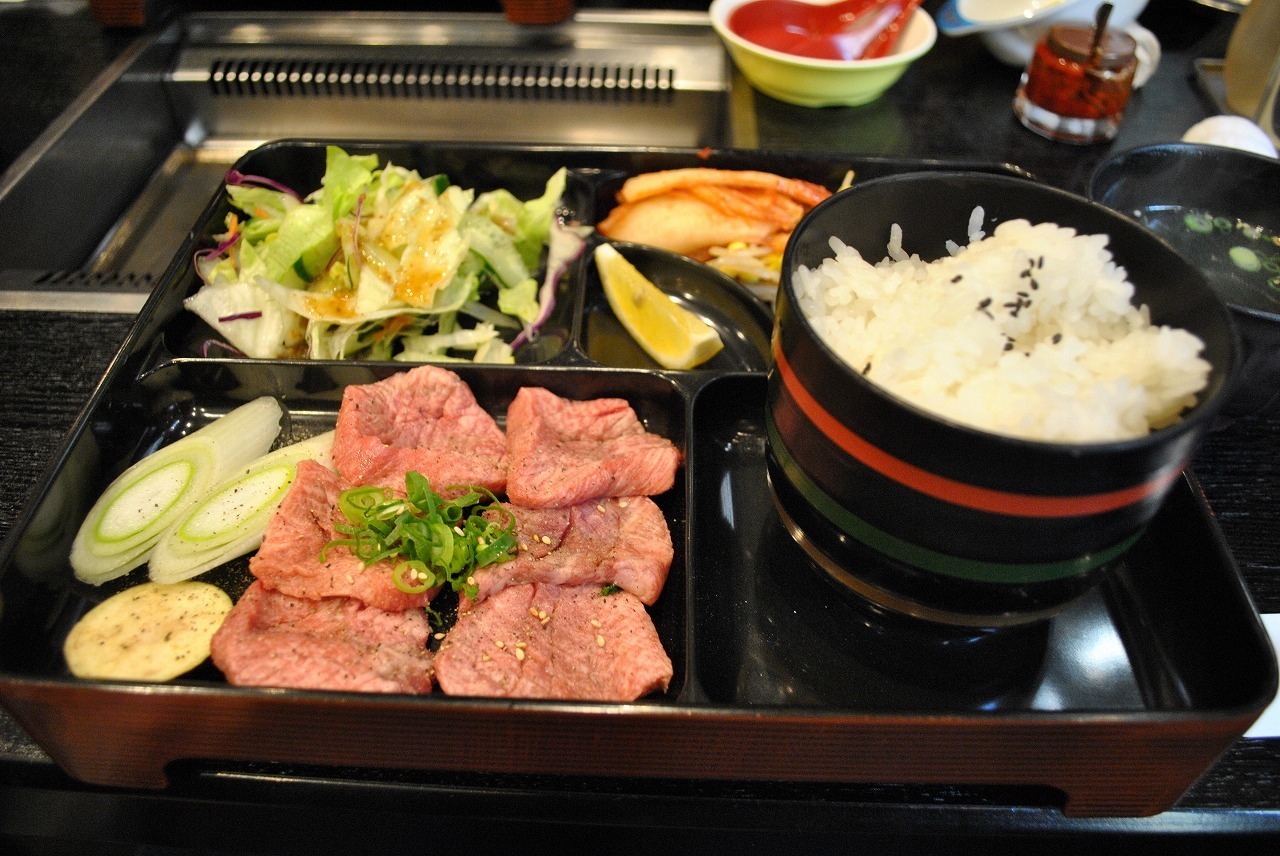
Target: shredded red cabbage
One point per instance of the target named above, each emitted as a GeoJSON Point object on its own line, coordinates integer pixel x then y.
{"type": "Point", "coordinates": [354, 274]}
{"type": "Point", "coordinates": [563, 247]}
{"type": "Point", "coordinates": [241, 316]}
{"type": "Point", "coordinates": [213, 252]}
{"type": "Point", "coordinates": [234, 176]}
{"type": "Point", "coordinates": [210, 344]}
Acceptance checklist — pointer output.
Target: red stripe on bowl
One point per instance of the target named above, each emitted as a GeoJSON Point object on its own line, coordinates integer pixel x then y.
{"type": "Point", "coordinates": [949, 490]}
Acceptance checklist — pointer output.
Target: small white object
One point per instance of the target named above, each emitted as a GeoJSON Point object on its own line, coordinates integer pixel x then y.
{"type": "Point", "coordinates": [961, 17]}
{"type": "Point", "coordinates": [1268, 724]}
{"type": "Point", "coordinates": [1234, 132]}
{"type": "Point", "coordinates": [1013, 41]}
{"type": "Point", "coordinates": [1148, 53]}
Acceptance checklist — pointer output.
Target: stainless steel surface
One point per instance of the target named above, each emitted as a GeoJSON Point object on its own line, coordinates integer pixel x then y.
{"type": "Point", "coordinates": [599, 79]}
{"type": "Point", "coordinates": [76, 291]}
{"type": "Point", "coordinates": [171, 115]}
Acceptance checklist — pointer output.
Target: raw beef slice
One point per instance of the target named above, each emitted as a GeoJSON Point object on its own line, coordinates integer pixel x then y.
{"type": "Point", "coordinates": [621, 541]}
{"type": "Point", "coordinates": [563, 452]}
{"type": "Point", "coordinates": [273, 640]}
{"type": "Point", "coordinates": [425, 419]}
{"type": "Point", "coordinates": [289, 558]}
{"type": "Point", "coordinates": [556, 642]}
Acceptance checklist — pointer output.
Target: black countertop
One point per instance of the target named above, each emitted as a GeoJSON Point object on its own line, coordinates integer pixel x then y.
{"type": "Point", "coordinates": [955, 104]}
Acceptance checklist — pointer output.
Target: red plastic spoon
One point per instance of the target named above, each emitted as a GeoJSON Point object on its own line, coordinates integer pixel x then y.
{"type": "Point", "coordinates": [849, 29]}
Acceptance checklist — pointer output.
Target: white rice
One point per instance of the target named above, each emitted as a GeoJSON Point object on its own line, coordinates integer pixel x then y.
{"type": "Point", "coordinates": [1029, 332]}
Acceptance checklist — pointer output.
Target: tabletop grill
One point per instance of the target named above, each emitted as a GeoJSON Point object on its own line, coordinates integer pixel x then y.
{"type": "Point", "coordinates": [174, 112]}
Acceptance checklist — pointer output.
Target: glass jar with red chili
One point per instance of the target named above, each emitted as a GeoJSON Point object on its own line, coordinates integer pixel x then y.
{"type": "Point", "coordinates": [1077, 85]}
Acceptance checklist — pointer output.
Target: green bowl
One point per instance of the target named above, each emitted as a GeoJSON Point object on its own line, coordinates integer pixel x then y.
{"type": "Point", "coordinates": [822, 82]}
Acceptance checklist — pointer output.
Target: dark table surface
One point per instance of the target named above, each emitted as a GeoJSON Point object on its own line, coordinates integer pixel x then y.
{"type": "Point", "coordinates": [952, 105]}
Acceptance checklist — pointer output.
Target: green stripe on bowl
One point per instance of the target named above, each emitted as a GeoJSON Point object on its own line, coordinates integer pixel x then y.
{"type": "Point", "coordinates": [922, 557]}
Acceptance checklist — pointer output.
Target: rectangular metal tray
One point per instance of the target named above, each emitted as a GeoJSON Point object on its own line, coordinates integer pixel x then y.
{"type": "Point", "coordinates": [1118, 704]}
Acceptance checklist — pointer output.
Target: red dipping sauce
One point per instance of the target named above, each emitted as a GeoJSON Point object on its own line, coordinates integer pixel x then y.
{"type": "Point", "coordinates": [847, 30]}
{"type": "Point", "coordinates": [1073, 92]}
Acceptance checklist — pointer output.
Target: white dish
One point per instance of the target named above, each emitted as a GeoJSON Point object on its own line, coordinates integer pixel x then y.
{"type": "Point", "coordinates": [1010, 29]}
{"type": "Point", "coordinates": [961, 17]}
{"type": "Point", "coordinates": [1235, 132]}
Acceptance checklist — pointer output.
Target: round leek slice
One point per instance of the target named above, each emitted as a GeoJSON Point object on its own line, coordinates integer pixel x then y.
{"type": "Point", "coordinates": [144, 501]}
{"type": "Point", "coordinates": [131, 505]}
{"type": "Point", "coordinates": [230, 519]}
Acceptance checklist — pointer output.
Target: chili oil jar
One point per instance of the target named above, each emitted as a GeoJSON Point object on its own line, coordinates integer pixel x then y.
{"type": "Point", "coordinates": [1074, 90]}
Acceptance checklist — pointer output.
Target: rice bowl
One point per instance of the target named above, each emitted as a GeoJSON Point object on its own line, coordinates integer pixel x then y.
{"type": "Point", "coordinates": [987, 470]}
{"type": "Point", "coordinates": [1030, 331]}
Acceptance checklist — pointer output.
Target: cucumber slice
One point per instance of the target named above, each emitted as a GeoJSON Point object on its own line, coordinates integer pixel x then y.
{"type": "Point", "coordinates": [303, 246]}
{"type": "Point", "coordinates": [496, 248]}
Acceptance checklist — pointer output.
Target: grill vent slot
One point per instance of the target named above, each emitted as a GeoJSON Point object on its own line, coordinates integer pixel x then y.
{"type": "Point", "coordinates": [441, 80]}
{"type": "Point", "coordinates": [74, 291]}
{"type": "Point", "coordinates": [77, 280]}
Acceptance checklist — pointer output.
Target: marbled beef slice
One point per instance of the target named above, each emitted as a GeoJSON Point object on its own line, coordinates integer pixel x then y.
{"type": "Point", "coordinates": [554, 642]}
{"type": "Point", "coordinates": [273, 640]}
{"type": "Point", "coordinates": [425, 419]}
{"type": "Point", "coordinates": [622, 541]}
{"type": "Point", "coordinates": [289, 558]}
{"type": "Point", "coordinates": [562, 452]}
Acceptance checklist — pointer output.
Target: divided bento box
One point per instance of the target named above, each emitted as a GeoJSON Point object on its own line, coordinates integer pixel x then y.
{"type": "Point", "coordinates": [1116, 705]}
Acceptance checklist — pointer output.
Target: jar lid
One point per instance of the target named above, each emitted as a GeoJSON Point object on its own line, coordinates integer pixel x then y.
{"type": "Point", "coordinates": [1075, 42]}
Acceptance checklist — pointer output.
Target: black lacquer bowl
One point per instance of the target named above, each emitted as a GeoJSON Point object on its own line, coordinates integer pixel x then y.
{"type": "Point", "coordinates": [945, 522]}
{"type": "Point", "coordinates": [1220, 208]}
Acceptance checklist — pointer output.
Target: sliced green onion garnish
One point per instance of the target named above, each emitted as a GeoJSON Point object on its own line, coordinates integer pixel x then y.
{"type": "Point", "coordinates": [1245, 259]}
{"type": "Point", "coordinates": [413, 577]}
{"type": "Point", "coordinates": [1198, 221]}
{"type": "Point", "coordinates": [438, 541]}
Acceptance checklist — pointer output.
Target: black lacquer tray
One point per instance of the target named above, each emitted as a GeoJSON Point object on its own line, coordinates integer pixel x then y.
{"type": "Point", "coordinates": [1116, 705]}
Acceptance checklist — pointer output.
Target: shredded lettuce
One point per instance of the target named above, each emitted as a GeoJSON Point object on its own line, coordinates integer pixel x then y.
{"type": "Point", "coordinates": [379, 262]}
{"type": "Point", "coordinates": [533, 224]}
{"type": "Point", "coordinates": [438, 345]}
{"type": "Point", "coordinates": [265, 207]}
{"type": "Point", "coordinates": [496, 249]}
{"type": "Point", "coordinates": [520, 301]}
{"type": "Point", "coordinates": [346, 177]}
{"type": "Point", "coordinates": [248, 316]}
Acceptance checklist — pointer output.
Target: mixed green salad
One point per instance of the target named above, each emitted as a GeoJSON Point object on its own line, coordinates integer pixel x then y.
{"type": "Point", "coordinates": [382, 263]}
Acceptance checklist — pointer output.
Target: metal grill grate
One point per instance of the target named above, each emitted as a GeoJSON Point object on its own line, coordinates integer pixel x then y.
{"type": "Point", "coordinates": [440, 80]}
{"type": "Point", "coordinates": [94, 281]}
{"type": "Point", "coordinates": [74, 291]}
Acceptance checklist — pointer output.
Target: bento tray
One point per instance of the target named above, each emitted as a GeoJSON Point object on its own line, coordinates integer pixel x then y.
{"type": "Point", "coordinates": [1118, 704]}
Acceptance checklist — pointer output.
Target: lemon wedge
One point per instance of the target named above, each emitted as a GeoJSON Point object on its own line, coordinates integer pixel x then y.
{"type": "Point", "coordinates": [672, 335]}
